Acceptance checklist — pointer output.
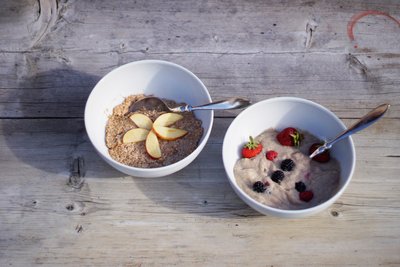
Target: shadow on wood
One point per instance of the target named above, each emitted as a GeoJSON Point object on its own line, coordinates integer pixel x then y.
{"type": "Point", "coordinates": [56, 93]}
{"type": "Point", "coordinates": [51, 143]}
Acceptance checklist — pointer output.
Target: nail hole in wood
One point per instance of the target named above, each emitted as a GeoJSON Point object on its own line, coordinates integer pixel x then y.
{"type": "Point", "coordinates": [334, 213]}
{"type": "Point", "coordinates": [79, 228]}
{"type": "Point", "coordinates": [70, 207]}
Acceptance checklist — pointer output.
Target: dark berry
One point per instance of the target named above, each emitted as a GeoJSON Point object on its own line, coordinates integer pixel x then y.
{"type": "Point", "coordinates": [277, 176]}
{"type": "Point", "coordinates": [271, 155]}
{"type": "Point", "coordinates": [306, 195]}
{"type": "Point", "coordinates": [300, 186]}
{"type": "Point", "coordinates": [259, 187]}
{"type": "Point", "coordinates": [287, 165]}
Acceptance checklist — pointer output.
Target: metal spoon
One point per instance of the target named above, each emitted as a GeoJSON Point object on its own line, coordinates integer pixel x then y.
{"type": "Point", "coordinates": [155, 103]}
{"type": "Point", "coordinates": [363, 123]}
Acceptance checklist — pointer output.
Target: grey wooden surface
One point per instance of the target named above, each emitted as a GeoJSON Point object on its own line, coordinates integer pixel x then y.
{"type": "Point", "coordinates": [60, 204]}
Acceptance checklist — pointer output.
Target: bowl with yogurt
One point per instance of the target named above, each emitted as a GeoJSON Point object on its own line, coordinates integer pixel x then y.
{"type": "Point", "coordinates": [266, 157]}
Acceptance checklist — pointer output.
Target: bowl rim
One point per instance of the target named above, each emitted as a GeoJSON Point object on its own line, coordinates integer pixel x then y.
{"type": "Point", "coordinates": [157, 169]}
{"type": "Point", "coordinates": [290, 213]}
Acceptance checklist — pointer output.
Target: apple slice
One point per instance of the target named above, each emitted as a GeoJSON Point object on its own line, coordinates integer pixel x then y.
{"type": "Point", "coordinates": [169, 134]}
{"type": "Point", "coordinates": [141, 121]}
{"type": "Point", "coordinates": [135, 135]}
{"type": "Point", "coordinates": [152, 146]}
{"type": "Point", "coordinates": [167, 119]}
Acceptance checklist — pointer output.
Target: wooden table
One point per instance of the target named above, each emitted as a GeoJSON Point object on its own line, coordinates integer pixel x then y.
{"type": "Point", "coordinates": [60, 204]}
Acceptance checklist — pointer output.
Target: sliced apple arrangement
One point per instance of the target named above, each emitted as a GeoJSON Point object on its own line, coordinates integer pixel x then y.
{"type": "Point", "coordinates": [149, 131]}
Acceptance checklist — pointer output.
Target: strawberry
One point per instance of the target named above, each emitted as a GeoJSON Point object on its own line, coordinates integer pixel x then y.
{"type": "Point", "coordinates": [289, 137]}
{"type": "Point", "coordinates": [251, 149]}
{"type": "Point", "coordinates": [323, 157]}
{"type": "Point", "coordinates": [306, 196]}
{"type": "Point", "coordinates": [271, 155]}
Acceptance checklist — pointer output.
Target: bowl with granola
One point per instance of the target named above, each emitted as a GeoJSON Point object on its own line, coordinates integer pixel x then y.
{"type": "Point", "coordinates": [148, 142]}
{"type": "Point", "coordinates": [266, 157]}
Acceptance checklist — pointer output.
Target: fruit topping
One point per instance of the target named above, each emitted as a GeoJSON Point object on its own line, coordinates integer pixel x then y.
{"type": "Point", "coordinates": [277, 176]}
{"type": "Point", "coordinates": [259, 187]}
{"type": "Point", "coordinates": [323, 157]}
{"type": "Point", "coordinates": [153, 146]}
{"type": "Point", "coordinates": [167, 133]}
{"type": "Point", "coordinates": [251, 149]}
{"type": "Point", "coordinates": [135, 135]}
{"type": "Point", "coordinates": [289, 137]}
{"type": "Point", "coordinates": [141, 121]}
{"type": "Point", "coordinates": [287, 165]}
{"type": "Point", "coordinates": [306, 196]}
{"type": "Point", "coordinates": [149, 131]}
{"type": "Point", "coordinates": [167, 119]}
{"type": "Point", "coordinates": [271, 155]}
{"type": "Point", "coordinates": [300, 186]}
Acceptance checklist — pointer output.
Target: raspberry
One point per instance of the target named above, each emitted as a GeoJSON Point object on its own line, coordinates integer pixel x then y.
{"type": "Point", "coordinates": [287, 165]}
{"type": "Point", "coordinates": [259, 187]}
{"type": "Point", "coordinates": [306, 195]}
{"type": "Point", "coordinates": [300, 186]}
{"type": "Point", "coordinates": [277, 176]}
{"type": "Point", "coordinates": [271, 155]}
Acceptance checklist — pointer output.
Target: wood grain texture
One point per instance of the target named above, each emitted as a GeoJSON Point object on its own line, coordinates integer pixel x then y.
{"type": "Point", "coordinates": [60, 204]}
{"type": "Point", "coordinates": [192, 217]}
{"type": "Point", "coordinates": [244, 48]}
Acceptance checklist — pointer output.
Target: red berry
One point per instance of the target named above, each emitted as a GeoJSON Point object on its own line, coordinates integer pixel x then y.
{"type": "Point", "coordinates": [271, 155]}
{"type": "Point", "coordinates": [306, 196]}
{"type": "Point", "coordinates": [251, 149]}
{"type": "Point", "coordinates": [323, 157]}
{"type": "Point", "coordinates": [289, 137]}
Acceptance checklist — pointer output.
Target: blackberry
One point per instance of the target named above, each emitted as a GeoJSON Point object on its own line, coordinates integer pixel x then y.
{"type": "Point", "coordinates": [259, 187]}
{"type": "Point", "coordinates": [287, 165]}
{"type": "Point", "coordinates": [277, 176]}
{"type": "Point", "coordinates": [300, 186]}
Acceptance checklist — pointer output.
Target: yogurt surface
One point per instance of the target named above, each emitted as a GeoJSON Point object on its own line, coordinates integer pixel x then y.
{"type": "Point", "coordinates": [320, 178]}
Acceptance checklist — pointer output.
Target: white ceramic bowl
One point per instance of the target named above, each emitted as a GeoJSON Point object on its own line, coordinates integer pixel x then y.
{"type": "Point", "coordinates": [280, 113]}
{"type": "Point", "coordinates": [159, 78]}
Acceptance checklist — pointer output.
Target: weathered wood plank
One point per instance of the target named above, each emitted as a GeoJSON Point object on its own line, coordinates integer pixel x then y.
{"type": "Point", "coordinates": [334, 81]}
{"type": "Point", "coordinates": [60, 204]}
{"type": "Point", "coordinates": [186, 218]}
{"type": "Point", "coordinates": [193, 26]}
{"type": "Point", "coordinates": [248, 48]}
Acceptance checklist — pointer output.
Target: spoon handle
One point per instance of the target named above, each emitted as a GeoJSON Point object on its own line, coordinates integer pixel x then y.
{"type": "Point", "coordinates": [363, 123]}
{"type": "Point", "coordinates": [231, 103]}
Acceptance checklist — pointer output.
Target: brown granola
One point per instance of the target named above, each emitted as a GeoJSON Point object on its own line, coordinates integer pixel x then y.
{"type": "Point", "coordinates": [134, 154]}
